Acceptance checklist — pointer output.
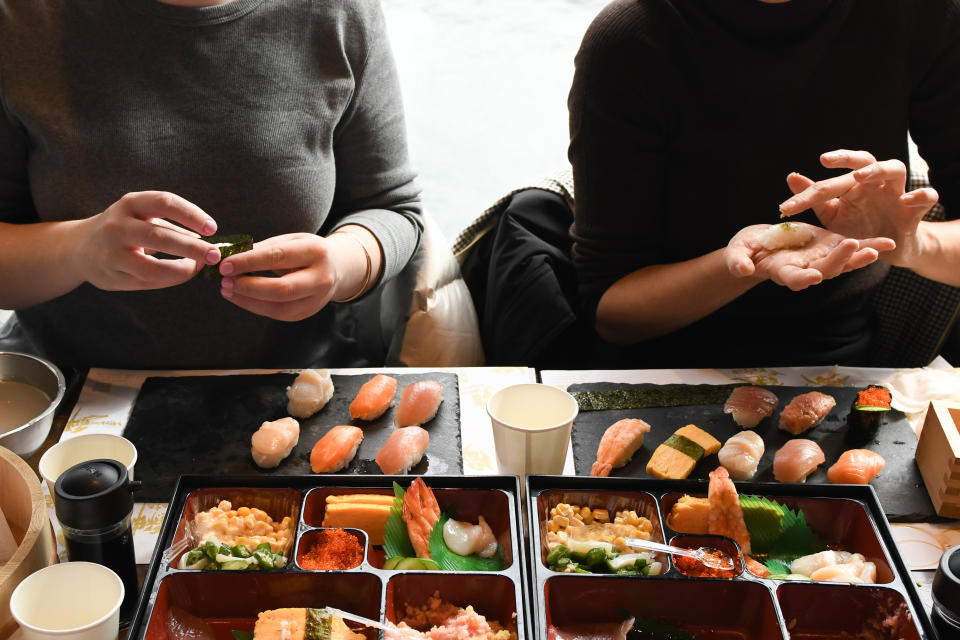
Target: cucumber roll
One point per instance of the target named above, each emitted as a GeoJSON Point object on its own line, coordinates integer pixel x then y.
{"type": "Point", "coordinates": [867, 412]}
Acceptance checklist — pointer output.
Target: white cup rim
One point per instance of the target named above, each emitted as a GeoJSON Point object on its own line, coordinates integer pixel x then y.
{"type": "Point", "coordinates": [540, 385]}
{"type": "Point", "coordinates": [59, 632]}
{"type": "Point", "coordinates": [49, 453]}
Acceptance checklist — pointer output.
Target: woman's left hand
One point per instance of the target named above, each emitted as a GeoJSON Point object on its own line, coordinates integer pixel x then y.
{"type": "Point", "coordinates": [869, 201]}
{"type": "Point", "coordinates": [311, 271]}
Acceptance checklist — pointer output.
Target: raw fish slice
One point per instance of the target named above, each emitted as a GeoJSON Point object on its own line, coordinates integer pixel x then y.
{"type": "Point", "coordinates": [796, 460]}
{"type": "Point", "coordinates": [741, 454]}
{"type": "Point", "coordinates": [402, 450]}
{"type": "Point", "coordinates": [806, 411]}
{"type": "Point", "coordinates": [726, 516]}
{"type": "Point", "coordinates": [274, 441]}
{"type": "Point", "coordinates": [310, 392]}
{"type": "Point", "coordinates": [618, 444]}
{"type": "Point", "coordinates": [374, 398]}
{"type": "Point", "coordinates": [856, 466]}
{"type": "Point", "coordinates": [807, 565]}
{"type": "Point", "coordinates": [336, 449]}
{"type": "Point", "coordinates": [419, 403]}
{"type": "Point", "coordinates": [749, 405]}
{"type": "Point", "coordinates": [420, 513]}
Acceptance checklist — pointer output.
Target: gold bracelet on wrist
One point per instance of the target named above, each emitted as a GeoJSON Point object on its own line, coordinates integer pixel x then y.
{"type": "Point", "coordinates": [369, 273]}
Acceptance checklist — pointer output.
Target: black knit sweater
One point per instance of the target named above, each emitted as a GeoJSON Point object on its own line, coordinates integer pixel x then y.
{"type": "Point", "coordinates": [686, 117]}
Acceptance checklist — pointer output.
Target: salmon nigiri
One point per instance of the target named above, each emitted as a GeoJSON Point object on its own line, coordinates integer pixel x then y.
{"type": "Point", "coordinates": [856, 466]}
{"type": "Point", "coordinates": [336, 449]}
{"type": "Point", "coordinates": [419, 403]}
{"type": "Point", "coordinates": [403, 450]}
{"type": "Point", "coordinates": [374, 397]}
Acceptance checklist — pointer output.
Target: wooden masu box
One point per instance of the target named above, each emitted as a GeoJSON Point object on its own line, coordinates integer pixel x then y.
{"type": "Point", "coordinates": [938, 456]}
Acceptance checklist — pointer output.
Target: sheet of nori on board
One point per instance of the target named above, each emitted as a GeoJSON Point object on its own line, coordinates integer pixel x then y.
{"type": "Point", "coordinates": [203, 424]}
{"type": "Point", "coordinates": [899, 486]}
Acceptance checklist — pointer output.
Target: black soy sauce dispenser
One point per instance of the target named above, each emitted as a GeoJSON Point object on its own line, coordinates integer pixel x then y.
{"type": "Point", "coordinates": [93, 502]}
{"type": "Point", "coordinates": [946, 595]}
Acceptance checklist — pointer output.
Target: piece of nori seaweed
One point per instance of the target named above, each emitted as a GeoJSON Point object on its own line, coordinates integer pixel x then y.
{"type": "Point", "coordinates": [649, 629]}
{"type": "Point", "coordinates": [667, 395]}
{"type": "Point", "coordinates": [232, 245]}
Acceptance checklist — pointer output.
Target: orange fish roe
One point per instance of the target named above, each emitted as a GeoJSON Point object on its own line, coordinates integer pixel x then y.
{"type": "Point", "coordinates": [874, 396]}
{"type": "Point", "coordinates": [693, 567]}
{"type": "Point", "coordinates": [334, 549]}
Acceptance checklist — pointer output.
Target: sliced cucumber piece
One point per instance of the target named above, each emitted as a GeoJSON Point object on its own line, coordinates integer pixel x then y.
{"type": "Point", "coordinates": [391, 563]}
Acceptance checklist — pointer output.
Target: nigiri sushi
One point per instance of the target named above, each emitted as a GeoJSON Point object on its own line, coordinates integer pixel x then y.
{"type": "Point", "coordinates": [856, 466]}
{"type": "Point", "coordinates": [274, 441]}
{"type": "Point", "coordinates": [402, 450]}
{"type": "Point", "coordinates": [618, 444]}
{"type": "Point", "coordinates": [302, 624]}
{"type": "Point", "coordinates": [805, 411]}
{"type": "Point", "coordinates": [336, 449]}
{"type": "Point", "coordinates": [786, 235]}
{"type": "Point", "coordinates": [796, 460]}
{"type": "Point", "coordinates": [741, 454]}
{"type": "Point", "coordinates": [749, 405]}
{"type": "Point", "coordinates": [420, 512]}
{"type": "Point", "coordinates": [310, 392]}
{"type": "Point", "coordinates": [419, 403]}
{"type": "Point", "coordinates": [374, 397]}
{"type": "Point", "coordinates": [836, 566]}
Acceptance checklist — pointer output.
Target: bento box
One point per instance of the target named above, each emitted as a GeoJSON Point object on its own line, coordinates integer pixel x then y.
{"type": "Point", "coordinates": [174, 597]}
{"type": "Point", "coordinates": [576, 597]}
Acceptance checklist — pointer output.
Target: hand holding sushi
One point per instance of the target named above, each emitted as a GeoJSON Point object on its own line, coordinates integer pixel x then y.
{"type": "Point", "coordinates": [311, 272]}
{"type": "Point", "coordinates": [825, 255]}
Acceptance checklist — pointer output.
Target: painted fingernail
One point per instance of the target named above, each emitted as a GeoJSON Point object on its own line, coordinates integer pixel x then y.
{"type": "Point", "coordinates": [832, 155]}
{"type": "Point", "coordinates": [789, 204]}
{"type": "Point", "coordinates": [226, 268]}
{"type": "Point", "coordinates": [908, 197]}
{"type": "Point", "coordinates": [227, 283]}
{"type": "Point", "coordinates": [213, 256]}
{"type": "Point", "coordinates": [209, 228]}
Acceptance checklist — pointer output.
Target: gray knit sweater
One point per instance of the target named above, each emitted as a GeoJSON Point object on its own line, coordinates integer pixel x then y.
{"type": "Point", "coordinates": [274, 116]}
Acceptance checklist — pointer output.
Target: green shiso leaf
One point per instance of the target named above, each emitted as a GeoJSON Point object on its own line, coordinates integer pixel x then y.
{"type": "Point", "coordinates": [797, 538]}
{"type": "Point", "coordinates": [777, 567]}
{"type": "Point", "coordinates": [665, 395]}
{"type": "Point", "coordinates": [764, 520]}
{"type": "Point", "coordinates": [450, 561]}
{"type": "Point", "coordinates": [648, 629]}
{"type": "Point", "coordinates": [242, 635]}
{"type": "Point", "coordinates": [396, 540]}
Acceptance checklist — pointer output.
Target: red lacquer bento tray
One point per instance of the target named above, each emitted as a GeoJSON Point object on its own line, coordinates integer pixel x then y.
{"type": "Point", "coordinates": [743, 607]}
{"type": "Point", "coordinates": [231, 600]}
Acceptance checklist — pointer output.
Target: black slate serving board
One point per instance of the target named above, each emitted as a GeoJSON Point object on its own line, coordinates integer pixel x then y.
{"type": "Point", "coordinates": [203, 424]}
{"type": "Point", "coordinates": [899, 486]}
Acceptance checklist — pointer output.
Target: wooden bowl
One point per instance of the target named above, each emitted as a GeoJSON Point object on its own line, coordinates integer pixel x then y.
{"type": "Point", "coordinates": [25, 508]}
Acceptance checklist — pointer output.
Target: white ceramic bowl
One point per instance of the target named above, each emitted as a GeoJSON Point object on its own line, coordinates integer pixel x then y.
{"type": "Point", "coordinates": [37, 372]}
{"type": "Point", "coordinates": [92, 446]}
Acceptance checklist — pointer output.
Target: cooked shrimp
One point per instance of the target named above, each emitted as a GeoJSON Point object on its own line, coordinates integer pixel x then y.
{"type": "Point", "coordinates": [618, 444]}
{"type": "Point", "coordinates": [336, 449]}
{"type": "Point", "coordinates": [420, 512]}
{"type": "Point", "coordinates": [725, 517]}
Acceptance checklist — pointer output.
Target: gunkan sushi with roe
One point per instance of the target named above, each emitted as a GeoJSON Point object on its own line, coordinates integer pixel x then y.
{"type": "Point", "coordinates": [867, 412]}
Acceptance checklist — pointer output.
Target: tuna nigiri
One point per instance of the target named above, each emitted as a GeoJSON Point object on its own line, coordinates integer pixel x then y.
{"type": "Point", "coordinates": [310, 392]}
{"type": "Point", "coordinates": [856, 466]}
{"type": "Point", "coordinates": [797, 459]}
{"type": "Point", "coordinates": [741, 454]}
{"type": "Point", "coordinates": [374, 398]}
{"type": "Point", "coordinates": [749, 405]}
{"type": "Point", "coordinates": [402, 450]}
{"type": "Point", "coordinates": [419, 403]}
{"type": "Point", "coordinates": [805, 411]}
{"type": "Point", "coordinates": [336, 449]}
{"type": "Point", "coordinates": [618, 444]}
{"type": "Point", "coordinates": [274, 441]}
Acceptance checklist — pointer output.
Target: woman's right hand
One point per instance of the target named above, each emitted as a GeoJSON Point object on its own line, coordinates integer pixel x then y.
{"type": "Point", "coordinates": [826, 256]}
{"type": "Point", "coordinates": [116, 247]}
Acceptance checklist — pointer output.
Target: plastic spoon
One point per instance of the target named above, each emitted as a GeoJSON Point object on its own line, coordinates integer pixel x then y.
{"type": "Point", "coordinates": [376, 624]}
{"type": "Point", "coordinates": [713, 558]}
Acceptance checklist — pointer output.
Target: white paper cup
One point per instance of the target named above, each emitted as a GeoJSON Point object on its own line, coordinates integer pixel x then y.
{"type": "Point", "coordinates": [531, 428]}
{"type": "Point", "coordinates": [93, 446]}
{"type": "Point", "coordinates": [69, 601]}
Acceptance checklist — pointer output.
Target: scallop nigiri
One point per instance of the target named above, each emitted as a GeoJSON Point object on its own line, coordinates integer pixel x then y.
{"type": "Point", "coordinates": [374, 397]}
{"type": "Point", "coordinates": [749, 405]}
{"type": "Point", "coordinates": [741, 454]}
{"type": "Point", "coordinates": [403, 450]}
{"type": "Point", "coordinates": [618, 444]}
{"type": "Point", "coordinates": [419, 403]}
{"type": "Point", "coordinates": [805, 411]}
{"type": "Point", "coordinates": [856, 466]}
{"type": "Point", "coordinates": [274, 441]}
{"type": "Point", "coordinates": [310, 392]}
{"type": "Point", "coordinates": [336, 449]}
{"type": "Point", "coordinates": [796, 460]}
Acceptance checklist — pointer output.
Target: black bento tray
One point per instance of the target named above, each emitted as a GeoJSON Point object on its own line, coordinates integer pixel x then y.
{"type": "Point", "coordinates": [759, 607]}
{"type": "Point", "coordinates": [232, 596]}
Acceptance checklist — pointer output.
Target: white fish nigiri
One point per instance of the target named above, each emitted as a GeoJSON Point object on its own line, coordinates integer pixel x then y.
{"type": "Point", "coordinates": [749, 405]}
{"type": "Point", "coordinates": [274, 441]}
{"type": "Point", "coordinates": [786, 235]}
{"type": "Point", "coordinates": [797, 459]}
{"type": "Point", "coordinates": [402, 450]}
{"type": "Point", "coordinates": [310, 392]}
{"type": "Point", "coordinates": [741, 454]}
